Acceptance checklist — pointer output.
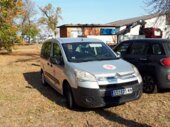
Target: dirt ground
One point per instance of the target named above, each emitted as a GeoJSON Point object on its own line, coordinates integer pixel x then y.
{"type": "Point", "coordinates": [24, 102]}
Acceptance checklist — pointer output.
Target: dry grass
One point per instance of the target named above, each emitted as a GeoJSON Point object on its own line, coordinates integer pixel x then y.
{"type": "Point", "coordinates": [24, 102]}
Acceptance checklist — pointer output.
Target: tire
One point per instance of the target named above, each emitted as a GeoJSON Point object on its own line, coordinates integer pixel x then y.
{"type": "Point", "coordinates": [149, 84]}
{"type": "Point", "coordinates": [43, 80]}
{"type": "Point", "coordinates": [69, 98]}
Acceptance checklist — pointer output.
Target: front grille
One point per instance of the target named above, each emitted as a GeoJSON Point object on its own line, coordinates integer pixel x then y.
{"type": "Point", "coordinates": [115, 86]}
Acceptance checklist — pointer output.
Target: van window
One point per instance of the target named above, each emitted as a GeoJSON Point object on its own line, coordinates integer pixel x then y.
{"type": "Point", "coordinates": [139, 48]}
{"type": "Point", "coordinates": [56, 50]}
{"type": "Point", "coordinates": [88, 51]}
{"type": "Point", "coordinates": [46, 50]}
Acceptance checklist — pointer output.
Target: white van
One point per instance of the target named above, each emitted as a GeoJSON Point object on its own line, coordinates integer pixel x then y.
{"type": "Point", "coordinates": [88, 73]}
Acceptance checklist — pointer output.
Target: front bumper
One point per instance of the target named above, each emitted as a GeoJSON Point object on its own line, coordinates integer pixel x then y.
{"type": "Point", "coordinates": [94, 98]}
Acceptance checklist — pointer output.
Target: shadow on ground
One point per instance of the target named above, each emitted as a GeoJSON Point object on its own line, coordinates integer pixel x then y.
{"type": "Point", "coordinates": [27, 60]}
{"type": "Point", "coordinates": [33, 56]}
{"type": "Point", "coordinates": [164, 90]}
{"type": "Point", "coordinates": [34, 80]}
{"type": "Point", "coordinates": [113, 117]}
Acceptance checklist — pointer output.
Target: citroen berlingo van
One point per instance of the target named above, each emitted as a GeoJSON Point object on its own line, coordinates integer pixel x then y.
{"type": "Point", "coordinates": [88, 73]}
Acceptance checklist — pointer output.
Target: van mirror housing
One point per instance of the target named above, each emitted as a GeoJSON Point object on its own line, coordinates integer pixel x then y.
{"type": "Point", "coordinates": [118, 54]}
{"type": "Point", "coordinates": [57, 60]}
{"type": "Point", "coordinates": [53, 60]}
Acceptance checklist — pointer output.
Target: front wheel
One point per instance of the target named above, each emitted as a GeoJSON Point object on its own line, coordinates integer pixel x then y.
{"type": "Point", "coordinates": [149, 84]}
{"type": "Point", "coordinates": [69, 98]}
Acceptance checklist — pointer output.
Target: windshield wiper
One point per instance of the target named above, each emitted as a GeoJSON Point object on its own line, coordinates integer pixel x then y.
{"type": "Point", "coordinates": [96, 59]}
{"type": "Point", "coordinates": [109, 58]}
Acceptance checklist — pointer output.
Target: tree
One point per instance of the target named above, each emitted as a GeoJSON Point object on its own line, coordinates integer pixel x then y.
{"type": "Point", "coordinates": [30, 30]}
{"type": "Point", "coordinates": [29, 7]}
{"type": "Point", "coordinates": [50, 17]}
{"type": "Point", "coordinates": [28, 27]}
{"type": "Point", "coordinates": [9, 10]}
{"type": "Point", "coordinates": [159, 6]}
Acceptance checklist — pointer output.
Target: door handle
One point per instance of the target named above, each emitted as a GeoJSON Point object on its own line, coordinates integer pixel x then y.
{"type": "Point", "coordinates": [143, 59]}
{"type": "Point", "coordinates": [50, 64]}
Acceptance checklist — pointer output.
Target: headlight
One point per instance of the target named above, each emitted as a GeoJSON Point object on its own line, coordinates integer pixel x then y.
{"type": "Point", "coordinates": [84, 76]}
{"type": "Point", "coordinates": [137, 74]}
{"type": "Point", "coordinates": [135, 70]}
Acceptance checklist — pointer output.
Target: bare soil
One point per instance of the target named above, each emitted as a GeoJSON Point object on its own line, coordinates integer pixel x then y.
{"type": "Point", "coordinates": [24, 102]}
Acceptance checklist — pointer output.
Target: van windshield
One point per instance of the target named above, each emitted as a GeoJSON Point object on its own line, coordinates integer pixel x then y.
{"type": "Point", "coordinates": [88, 51]}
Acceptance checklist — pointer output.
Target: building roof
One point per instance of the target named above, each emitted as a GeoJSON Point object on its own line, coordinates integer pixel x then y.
{"type": "Point", "coordinates": [125, 22]}
{"type": "Point", "coordinates": [87, 25]}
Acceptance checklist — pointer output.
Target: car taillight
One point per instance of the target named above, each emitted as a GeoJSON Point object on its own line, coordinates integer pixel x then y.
{"type": "Point", "coordinates": [166, 62]}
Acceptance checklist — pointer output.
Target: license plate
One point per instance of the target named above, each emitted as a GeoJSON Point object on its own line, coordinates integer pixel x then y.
{"type": "Point", "coordinates": [122, 91]}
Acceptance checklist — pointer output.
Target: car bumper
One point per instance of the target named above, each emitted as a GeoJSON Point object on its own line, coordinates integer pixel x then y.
{"type": "Point", "coordinates": [94, 98]}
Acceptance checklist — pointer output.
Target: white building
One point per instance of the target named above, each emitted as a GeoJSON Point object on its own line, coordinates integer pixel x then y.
{"type": "Point", "coordinates": [153, 20]}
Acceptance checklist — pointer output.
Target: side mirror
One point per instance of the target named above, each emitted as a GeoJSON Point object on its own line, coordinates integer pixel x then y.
{"type": "Point", "coordinates": [53, 60]}
{"type": "Point", "coordinates": [118, 54]}
{"type": "Point", "coordinates": [57, 60]}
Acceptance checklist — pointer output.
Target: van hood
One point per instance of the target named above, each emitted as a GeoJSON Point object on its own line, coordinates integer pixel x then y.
{"type": "Point", "coordinates": [105, 67]}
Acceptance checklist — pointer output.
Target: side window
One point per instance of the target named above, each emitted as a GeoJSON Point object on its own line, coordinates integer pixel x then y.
{"type": "Point", "coordinates": [156, 49]}
{"type": "Point", "coordinates": [123, 48]}
{"type": "Point", "coordinates": [56, 50]}
{"type": "Point", "coordinates": [139, 48]}
{"type": "Point", "coordinates": [46, 50]}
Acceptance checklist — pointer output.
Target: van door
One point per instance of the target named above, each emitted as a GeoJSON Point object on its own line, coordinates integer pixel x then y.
{"type": "Point", "coordinates": [45, 55]}
{"type": "Point", "coordinates": [57, 68]}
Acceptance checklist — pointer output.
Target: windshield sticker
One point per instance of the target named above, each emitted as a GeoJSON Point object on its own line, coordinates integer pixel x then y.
{"type": "Point", "coordinates": [73, 57]}
{"type": "Point", "coordinates": [95, 45]}
{"type": "Point", "coordinates": [69, 46]}
{"type": "Point", "coordinates": [109, 67]}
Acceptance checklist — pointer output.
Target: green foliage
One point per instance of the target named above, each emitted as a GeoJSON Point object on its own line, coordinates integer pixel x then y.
{"type": "Point", "coordinates": [7, 39]}
{"type": "Point", "coordinates": [9, 10]}
{"type": "Point", "coordinates": [27, 25]}
{"type": "Point", "coordinates": [30, 30]}
{"type": "Point", "coordinates": [50, 17]}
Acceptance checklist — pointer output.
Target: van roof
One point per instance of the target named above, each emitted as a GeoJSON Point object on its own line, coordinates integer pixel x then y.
{"type": "Point", "coordinates": [69, 40]}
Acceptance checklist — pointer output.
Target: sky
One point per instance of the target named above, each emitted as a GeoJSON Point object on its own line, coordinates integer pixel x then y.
{"type": "Point", "coordinates": [96, 11]}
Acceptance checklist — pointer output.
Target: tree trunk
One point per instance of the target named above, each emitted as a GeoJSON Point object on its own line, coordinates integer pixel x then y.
{"type": "Point", "coordinates": [29, 40]}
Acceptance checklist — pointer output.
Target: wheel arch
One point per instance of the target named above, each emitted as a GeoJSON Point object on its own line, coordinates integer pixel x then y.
{"type": "Point", "coordinates": [65, 84]}
{"type": "Point", "coordinates": [41, 71]}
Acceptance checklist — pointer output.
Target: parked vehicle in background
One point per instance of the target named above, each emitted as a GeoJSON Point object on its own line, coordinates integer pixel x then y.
{"type": "Point", "coordinates": [88, 73]}
{"type": "Point", "coordinates": [152, 58]}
